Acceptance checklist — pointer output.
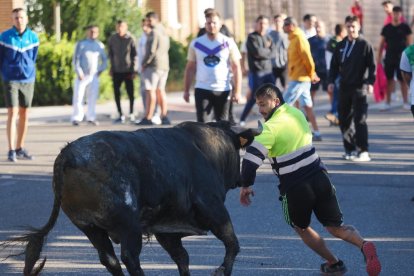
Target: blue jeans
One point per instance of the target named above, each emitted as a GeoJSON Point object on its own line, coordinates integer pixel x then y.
{"type": "Point", "coordinates": [256, 82]}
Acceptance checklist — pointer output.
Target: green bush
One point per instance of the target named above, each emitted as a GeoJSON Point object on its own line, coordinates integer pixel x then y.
{"type": "Point", "coordinates": [178, 60]}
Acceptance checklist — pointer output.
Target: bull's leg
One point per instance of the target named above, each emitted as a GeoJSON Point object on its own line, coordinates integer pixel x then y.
{"type": "Point", "coordinates": [100, 240]}
{"type": "Point", "coordinates": [219, 222]}
{"type": "Point", "coordinates": [173, 245]}
{"type": "Point", "coordinates": [131, 245]}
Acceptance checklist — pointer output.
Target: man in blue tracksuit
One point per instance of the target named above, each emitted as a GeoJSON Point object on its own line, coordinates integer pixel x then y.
{"type": "Point", "coordinates": [305, 186]}
{"type": "Point", "coordinates": [18, 52]}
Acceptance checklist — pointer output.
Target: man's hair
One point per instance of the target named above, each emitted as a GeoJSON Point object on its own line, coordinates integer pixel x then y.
{"type": "Point", "coordinates": [16, 10]}
{"type": "Point", "coordinates": [351, 19]}
{"type": "Point", "coordinates": [307, 16]}
{"type": "Point", "coordinates": [91, 26]}
{"type": "Point", "coordinates": [208, 13]}
{"type": "Point", "coordinates": [386, 3]}
{"type": "Point", "coordinates": [290, 21]}
{"type": "Point", "coordinates": [339, 28]}
{"type": "Point", "coordinates": [396, 9]}
{"type": "Point", "coordinates": [152, 14]}
{"type": "Point", "coordinates": [261, 17]}
{"type": "Point", "coordinates": [270, 91]}
{"type": "Point", "coordinates": [120, 21]}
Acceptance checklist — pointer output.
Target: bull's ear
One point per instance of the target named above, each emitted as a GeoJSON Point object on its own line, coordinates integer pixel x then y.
{"type": "Point", "coordinates": [246, 135]}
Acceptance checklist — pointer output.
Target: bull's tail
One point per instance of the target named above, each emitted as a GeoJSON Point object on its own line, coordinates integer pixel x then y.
{"type": "Point", "coordinates": [35, 237]}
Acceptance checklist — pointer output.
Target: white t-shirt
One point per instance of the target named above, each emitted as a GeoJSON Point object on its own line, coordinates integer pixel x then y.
{"type": "Point", "coordinates": [406, 67]}
{"type": "Point", "coordinates": [213, 62]}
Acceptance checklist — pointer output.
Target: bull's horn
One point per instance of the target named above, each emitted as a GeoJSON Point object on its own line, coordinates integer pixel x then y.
{"type": "Point", "coordinates": [254, 131]}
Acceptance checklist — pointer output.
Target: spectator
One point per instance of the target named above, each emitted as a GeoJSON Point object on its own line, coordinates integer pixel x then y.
{"type": "Point", "coordinates": [89, 61]}
{"type": "Point", "coordinates": [356, 10]}
{"type": "Point", "coordinates": [301, 72]}
{"type": "Point", "coordinates": [406, 66]}
{"type": "Point", "coordinates": [259, 54]}
{"type": "Point", "coordinates": [281, 43]}
{"type": "Point", "coordinates": [388, 6]}
{"type": "Point", "coordinates": [212, 59]}
{"type": "Point", "coordinates": [141, 45]}
{"type": "Point", "coordinates": [18, 52]}
{"type": "Point", "coordinates": [318, 45]}
{"type": "Point", "coordinates": [304, 184]}
{"type": "Point", "coordinates": [122, 54]}
{"type": "Point", "coordinates": [340, 34]}
{"type": "Point", "coordinates": [155, 67]}
{"type": "Point", "coordinates": [309, 21]}
{"type": "Point", "coordinates": [353, 61]}
{"type": "Point", "coordinates": [397, 36]}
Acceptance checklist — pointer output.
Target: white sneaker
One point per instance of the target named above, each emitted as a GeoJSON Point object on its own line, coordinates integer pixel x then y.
{"type": "Point", "coordinates": [349, 155]}
{"type": "Point", "coordinates": [156, 119]}
{"type": "Point", "coordinates": [131, 117]}
{"type": "Point", "coordinates": [362, 157]}
{"type": "Point", "coordinates": [406, 106]}
{"type": "Point", "coordinates": [385, 107]}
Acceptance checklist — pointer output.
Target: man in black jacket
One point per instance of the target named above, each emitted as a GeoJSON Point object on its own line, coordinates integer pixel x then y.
{"type": "Point", "coordinates": [353, 61]}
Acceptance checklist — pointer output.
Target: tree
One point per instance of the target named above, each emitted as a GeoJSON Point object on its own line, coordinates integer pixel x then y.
{"type": "Point", "coordinates": [77, 14]}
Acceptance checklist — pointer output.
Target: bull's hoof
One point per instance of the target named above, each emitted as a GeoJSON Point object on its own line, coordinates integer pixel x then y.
{"type": "Point", "coordinates": [218, 272]}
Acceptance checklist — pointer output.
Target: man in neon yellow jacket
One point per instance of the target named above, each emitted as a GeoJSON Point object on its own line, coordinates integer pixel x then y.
{"type": "Point", "coordinates": [305, 186]}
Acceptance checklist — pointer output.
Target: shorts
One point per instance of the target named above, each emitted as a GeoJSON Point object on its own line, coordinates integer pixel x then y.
{"type": "Point", "coordinates": [392, 68]}
{"type": "Point", "coordinates": [154, 79]}
{"type": "Point", "coordinates": [18, 94]}
{"type": "Point", "coordinates": [298, 90]}
{"type": "Point", "coordinates": [316, 194]}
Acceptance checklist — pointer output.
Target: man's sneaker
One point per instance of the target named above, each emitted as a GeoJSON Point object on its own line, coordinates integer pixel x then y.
{"type": "Point", "coordinates": [156, 120]}
{"type": "Point", "coordinates": [406, 106]}
{"type": "Point", "coordinates": [316, 137]}
{"type": "Point", "coordinates": [12, 156]}
{"type": "Point", "coordinates": [385, 107]}
{"type": "Point", "coordinates": [131, 117]}
{"type": "Point", "coordinates": [23, 154]}
{"type": "Point", "coordinates": [120, 120]}
{"type": "Point", "coordinates": [339, 267]}
{"type": "Point", "coordinates": [93, 123]}
{"type": "Point", "coordinates": [333, 120]}
{"type": "Point", "coordinates": [75, 123]}
{"type": "Point", "coordinates": [371, 258]}
{"type": "Point", "coordinates": [144, 122]}
{"type": "Point", "coordinates": [349, 155]}
{"type": "Point", "coordinates": [165, 121]}
{"type": "Point", "coordinates": [362, 157]}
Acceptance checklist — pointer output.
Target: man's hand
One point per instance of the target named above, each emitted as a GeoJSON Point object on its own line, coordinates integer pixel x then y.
{"type": "Point", "coordinates": [186, 96]}
{"type": "Point", "coordinates": [315, 78]}
{"type": "Point", "coordinates": [245, 193]}
{"type": "Point", "coordinates": [331, 87]}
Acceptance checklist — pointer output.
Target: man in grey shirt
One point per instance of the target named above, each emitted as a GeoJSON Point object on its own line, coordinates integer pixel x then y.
{"type": "Point", "coordinates": [155, 67]}
{"type": "Point", "coordinates": [281, 43]}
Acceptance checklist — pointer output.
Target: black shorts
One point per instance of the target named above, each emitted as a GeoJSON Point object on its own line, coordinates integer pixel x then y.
{"type": "Point", "coordinates": [392, 68]}
{"type": "Point", "coordinates": [18, 94]}
{"type": "Point", "coordinates": [316, 194]}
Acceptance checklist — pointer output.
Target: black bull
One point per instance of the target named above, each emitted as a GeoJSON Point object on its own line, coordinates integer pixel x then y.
{"type": "Point", "coordinates": [166, 182]}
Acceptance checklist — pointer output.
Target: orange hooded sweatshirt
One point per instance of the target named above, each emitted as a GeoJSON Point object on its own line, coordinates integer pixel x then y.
{"type": "Point", "coordinates": [301, 66]}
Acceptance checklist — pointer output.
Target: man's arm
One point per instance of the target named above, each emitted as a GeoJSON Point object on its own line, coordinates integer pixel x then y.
{"type": "Point", "coordinates": [104, 59]}
{"type": "Point", "coordinates": [150, 48]}
{"type": "Point", "coordinates": [380, 49]}
{"type": "Point", "coordinates": [237, 79]}
{"type": "Point", "coordinates": [255, 49]}
{"type": "Point", "coordinates": [189, 74]}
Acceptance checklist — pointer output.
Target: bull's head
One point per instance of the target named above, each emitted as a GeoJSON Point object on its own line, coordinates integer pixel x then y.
{"type": "Point", "coordinates": [246, 135]}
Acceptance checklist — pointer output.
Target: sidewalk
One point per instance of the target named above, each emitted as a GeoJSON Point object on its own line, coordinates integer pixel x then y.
{"type": "Point", "coordinates": [179, 110]}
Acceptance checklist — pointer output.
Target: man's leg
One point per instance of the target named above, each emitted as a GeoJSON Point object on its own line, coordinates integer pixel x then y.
{"type": "Point", "coordinates": [78, 94]}
{"type": "Point", "coordinates": [312, 239]}
{"type": "Point", "coordinates": [11, 126]}
{"type": "Point", "coordinates": [22, 127]}
{"type": "Point", "coordinates": [93, 93]}
{"type": "Point", "coordinates": [129, 86]}
{"type": "Point", "coordinates": [117, 81]}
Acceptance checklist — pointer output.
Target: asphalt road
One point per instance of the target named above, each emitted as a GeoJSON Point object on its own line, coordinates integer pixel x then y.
{"type": "Point", "coordinates": [375, 197]}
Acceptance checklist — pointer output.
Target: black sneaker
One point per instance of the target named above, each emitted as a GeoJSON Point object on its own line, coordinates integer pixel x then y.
{"type": "Point", "coordinates": [339, 267]}
{"type": "Point", "coordinates": [144, 122]}
{"type": "Point", "coordinates": [23, 154]}
{"type": "Point", "coordinates": [75, 123]}
{"type": "Point", "coordinates": [12, 156]}
{"type": "Point", "coordinates": [120, 120]}
{"type": "Point", "coordinates": [165, 121]}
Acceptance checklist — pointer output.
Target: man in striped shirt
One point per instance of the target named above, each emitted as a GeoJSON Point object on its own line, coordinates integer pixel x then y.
{"type": "Point", "coordinates": [305, 186]}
